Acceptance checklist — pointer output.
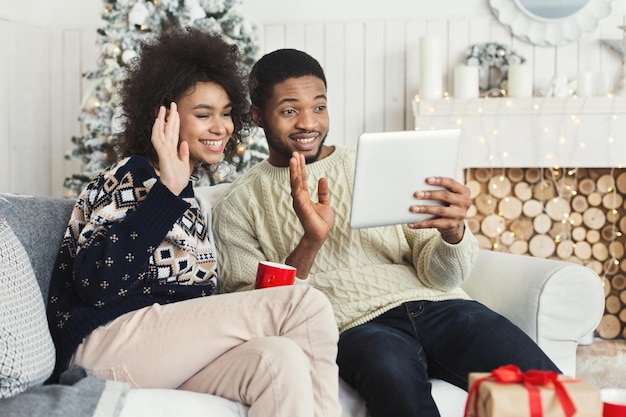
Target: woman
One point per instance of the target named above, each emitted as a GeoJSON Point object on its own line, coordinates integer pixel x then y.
{"type": "Point", "coordinates": [129, 297]}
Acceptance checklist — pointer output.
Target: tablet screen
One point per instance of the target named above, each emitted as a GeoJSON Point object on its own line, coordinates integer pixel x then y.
{"type": "Point", "coordinates": [392, 166]}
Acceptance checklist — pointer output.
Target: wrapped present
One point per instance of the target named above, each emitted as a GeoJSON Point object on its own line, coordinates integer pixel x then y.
{"type": "Point", "coordinates": [509, 392]}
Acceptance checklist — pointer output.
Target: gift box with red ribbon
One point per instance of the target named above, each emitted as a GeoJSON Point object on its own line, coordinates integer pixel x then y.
{"type": "Point", "coordinates": [509, 392]}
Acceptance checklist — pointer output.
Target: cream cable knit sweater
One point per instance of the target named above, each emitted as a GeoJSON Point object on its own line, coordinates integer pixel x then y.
{"type": "Point", "coordinates": [363, 272]}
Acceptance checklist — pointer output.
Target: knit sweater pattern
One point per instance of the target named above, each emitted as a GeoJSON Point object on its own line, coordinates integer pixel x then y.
{"type": "Point", "coordinates": [129, 243]}
{"type": "Point", "coordinates": [363, 272]}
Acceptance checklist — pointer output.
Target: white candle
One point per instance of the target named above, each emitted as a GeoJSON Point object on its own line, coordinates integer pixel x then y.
{"type": "Point", "coordinates": [466, 81]}
{"type": "Point", "coordinates": [431, 73]}
{"type": "Point", "coordinates": [520, 81]}
{"type": "Point", "coordinates": [585, 85]}
{"type": "Point", "coordinates": [603, 84]}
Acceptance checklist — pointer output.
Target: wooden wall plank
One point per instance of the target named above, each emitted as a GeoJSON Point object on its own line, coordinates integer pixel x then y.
{"type": "Point", "coordinates": [315, 41]}
{"type": "Point", "coordinates": [78, 46]}
{"type": "Point", "coordinates": [589, 57]}
{"type": "Point", "coordinates": [480, 30]}
{"type": "Point", "coordinates": [458, 33]}
{"type": "Point", "coordinates": [414, 30]}
{"type": "Point", "coordinates": [544, 64]}
{"type": "Point", "coordinates": [18, 129]}
{"type": "Point", "coordinates": [29, 110]}
{"type": "Point", "coordinates": [5, 121]}
{"type": "Point", "coordinates": [295, 36]}
{"type": "Point", "coordinates": [57, 112]}
{"type": "Point", "coordinates": [566, 60]}
{"type": "Point", "coordinates": [42, 180]}
{"type": "Point", "coordinates": [375, 73]}
{"type": "Point", "coordinates": [355, 87]}
{"type": "Point", "coordinates": [274, 36]}
{"type": "Point", "coordinates": [335, 69]}
{"type": "Point", "coordinates": [394, 58]}
{"type": "Point", "coordinates": [500, 33]}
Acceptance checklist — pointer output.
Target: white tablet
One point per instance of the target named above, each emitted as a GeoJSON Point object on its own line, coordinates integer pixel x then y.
{"type": "Point", "coordinates": [391, 166]}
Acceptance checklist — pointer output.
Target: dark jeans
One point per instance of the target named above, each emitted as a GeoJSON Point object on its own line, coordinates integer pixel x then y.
{"type": "Point", "coordinates": [389, 359]}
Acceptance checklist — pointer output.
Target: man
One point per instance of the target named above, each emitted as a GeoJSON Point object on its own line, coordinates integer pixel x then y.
{"type": "Point", "coordinates": [395, 290]}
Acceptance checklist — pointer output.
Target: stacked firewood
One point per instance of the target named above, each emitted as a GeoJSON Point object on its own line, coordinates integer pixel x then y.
{"type": "Point", "coordinates": [572, 214]}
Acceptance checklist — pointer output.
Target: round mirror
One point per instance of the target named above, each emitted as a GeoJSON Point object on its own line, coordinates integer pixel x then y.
{"type": "Point", "coordinates": [550, 22]}
{"type": "Point", "coordinates": [552, 9]}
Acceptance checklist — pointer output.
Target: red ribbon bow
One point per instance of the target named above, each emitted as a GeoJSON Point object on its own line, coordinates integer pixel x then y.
{"type": "Point", "coordinates": [531, 380]}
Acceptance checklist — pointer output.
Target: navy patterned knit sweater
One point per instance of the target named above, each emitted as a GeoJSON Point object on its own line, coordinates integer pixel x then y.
{"type": "Point", "coordinates": [129, 243]}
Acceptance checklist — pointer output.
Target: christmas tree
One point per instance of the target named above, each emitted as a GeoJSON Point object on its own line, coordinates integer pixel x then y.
{"type": "Point", "coordinates": [127, 23]}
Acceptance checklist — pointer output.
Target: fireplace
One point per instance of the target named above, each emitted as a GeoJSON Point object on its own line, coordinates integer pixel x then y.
{"type": "Point", "coordinates": [548, 179]}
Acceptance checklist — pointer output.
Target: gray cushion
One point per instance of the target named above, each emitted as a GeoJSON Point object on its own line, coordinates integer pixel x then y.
{"type": "Point", "coordinates": [39, 223]}
{"type": "Point", "coordinates": [26, 348]}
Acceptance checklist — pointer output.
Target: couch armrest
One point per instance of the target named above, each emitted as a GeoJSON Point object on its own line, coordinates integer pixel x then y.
{"type": "Point", "coordinates": [555, 302]}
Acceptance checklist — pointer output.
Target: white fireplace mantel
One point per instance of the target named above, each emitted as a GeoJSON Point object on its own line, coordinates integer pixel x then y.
{"type": "Point", "coordinates": [532, 132]}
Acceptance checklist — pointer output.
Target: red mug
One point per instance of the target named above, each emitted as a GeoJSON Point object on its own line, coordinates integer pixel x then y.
{"type": "Point", "coordinates": [614, 400]}
{"type": "Point", "coordinates": [273, 274]}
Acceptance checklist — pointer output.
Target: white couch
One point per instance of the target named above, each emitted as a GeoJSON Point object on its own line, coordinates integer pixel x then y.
{"type": "Point", "coordinates": [556, 303]}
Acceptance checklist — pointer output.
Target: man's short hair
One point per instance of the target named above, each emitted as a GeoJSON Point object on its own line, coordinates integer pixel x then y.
{"type": "Point", "coordinates": [277, 66]}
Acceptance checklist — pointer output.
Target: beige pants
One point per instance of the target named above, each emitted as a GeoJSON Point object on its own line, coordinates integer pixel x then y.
{"type": "Point", "coordinates": [272, 349]}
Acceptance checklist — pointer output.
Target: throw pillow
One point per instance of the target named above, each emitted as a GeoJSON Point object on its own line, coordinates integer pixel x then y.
{"type": "Point", "coordinates": [26, 348]}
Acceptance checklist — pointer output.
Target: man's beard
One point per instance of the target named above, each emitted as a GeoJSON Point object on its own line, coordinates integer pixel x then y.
{"type": "Point", "coordinates": [279, 147]}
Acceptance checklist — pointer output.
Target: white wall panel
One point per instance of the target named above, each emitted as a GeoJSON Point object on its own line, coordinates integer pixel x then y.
{"type": "Point", "coordinates": [5, 102]}
{"type": "Point", "coordinates": [354, 80]}
{"type": "Point", "coordinates": [274, 38]}
{"type": "Point", "coordinates": [544, 64]}
{"type": "Point", "coordinates": [334, 63]}
{"type": "Point", "coordinates": [57, 112]}
{"type": "Point", "coordinates": [414, 29]}
{"type": "Point", "coordinates": [295, 36]}
{"type": "Point", "coordinates": [315, 40]}
{"type": "Point", "coordinates": [29, 114]}
{"type": "Point", "coordinates": [67, 94]}
{"type": "Point", "coordinates": [371, 60]}
{"type": "Point", "coordinates": [395, 83]}
{"type": "Point", "coordinates": [609, 62]}
{"type": "Point", "coordinates": [458, 33]}
{"type": "Point", "coordinates": [480, 31]}
{"type": "Point", "coordinates": [374, 74]}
